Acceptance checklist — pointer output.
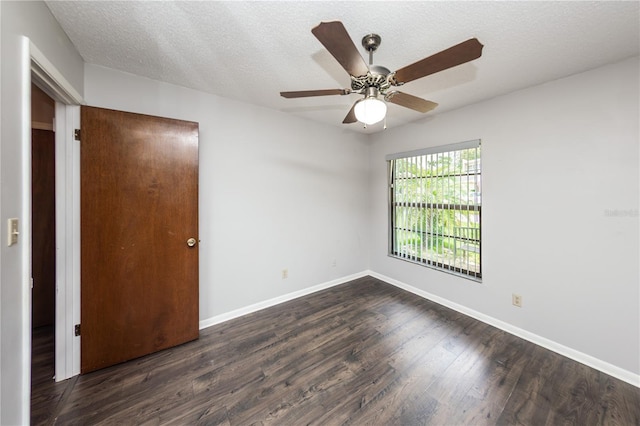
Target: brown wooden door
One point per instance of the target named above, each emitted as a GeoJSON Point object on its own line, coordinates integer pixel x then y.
{"type": "Point", "coordinates": [43, 233]}
{"type": "Point", "coordinates": [139, 206]}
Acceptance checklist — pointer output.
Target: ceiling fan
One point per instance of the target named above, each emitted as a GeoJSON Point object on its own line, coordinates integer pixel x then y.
{"type": "Point", "coordinates": [375, 80]}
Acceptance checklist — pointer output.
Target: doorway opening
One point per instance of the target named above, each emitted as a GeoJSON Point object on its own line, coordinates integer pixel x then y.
{"type": "Point", "coordinates": [43, 241]}
{"type": "Point", "coordinates": [59, 227]}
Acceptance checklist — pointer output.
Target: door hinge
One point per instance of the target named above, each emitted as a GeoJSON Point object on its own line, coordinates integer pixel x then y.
{"type": "Point", "coordinates": [77, 329]}
{"type": "Point", "coordinates": [76, 134]}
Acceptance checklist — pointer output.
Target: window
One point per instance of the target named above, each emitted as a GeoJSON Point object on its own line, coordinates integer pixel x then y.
{"type": "Point", "coordinates": [435, 206]}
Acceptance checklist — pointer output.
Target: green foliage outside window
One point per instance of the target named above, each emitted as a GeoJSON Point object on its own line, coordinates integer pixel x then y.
{"type": "Point", "coordinates": [436, 208]}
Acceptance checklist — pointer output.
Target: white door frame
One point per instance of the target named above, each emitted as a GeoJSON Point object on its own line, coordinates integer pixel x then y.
{"type": "Point", "coordinates": [67, 168]}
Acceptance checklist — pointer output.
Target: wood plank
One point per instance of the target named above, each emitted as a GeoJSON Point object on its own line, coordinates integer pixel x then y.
{"type": "Point", "coordinates": [360, 353]}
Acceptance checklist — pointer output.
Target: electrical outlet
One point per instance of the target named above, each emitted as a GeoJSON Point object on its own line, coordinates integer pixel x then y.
{"type": "Point", "coordinates": [334, 263]}
{"type": "Point", "coordinates": [516, 300]}
{"type": "Point", "coordinates": [285, 274]}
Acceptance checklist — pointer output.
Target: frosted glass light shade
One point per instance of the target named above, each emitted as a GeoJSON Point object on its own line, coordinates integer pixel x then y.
{"type": "Point", "coordinates": [370, 110]}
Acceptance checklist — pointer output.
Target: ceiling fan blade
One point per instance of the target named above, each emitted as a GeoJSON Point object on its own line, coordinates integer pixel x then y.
{"type": "Point", "coordinates": [336, 40]}
{"type": "Point", "coordinates": [456, 55]}
{"type": "Point", "coordinates": [351, 115]}
{"type": "Point", "coordinates": [409, 101]}
{"type": "Point", "coordinates": [307, 93]}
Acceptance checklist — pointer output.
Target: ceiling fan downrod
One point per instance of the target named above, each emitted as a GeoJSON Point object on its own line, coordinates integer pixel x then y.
{"type": "Point", "coordinates": [371, 42]}
{"type": "Point", "coordinates": [378, 76]}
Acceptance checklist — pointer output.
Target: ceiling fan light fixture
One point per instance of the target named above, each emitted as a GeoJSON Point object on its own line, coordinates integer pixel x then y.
{"type": "Point", "coordinates": [370, 110]}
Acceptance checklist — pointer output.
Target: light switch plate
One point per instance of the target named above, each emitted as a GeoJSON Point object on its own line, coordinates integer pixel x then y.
{"type": "Point", "coordinates": [12, 231]}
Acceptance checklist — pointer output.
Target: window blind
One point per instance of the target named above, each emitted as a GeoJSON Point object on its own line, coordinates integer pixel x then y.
{"type": "Point", "coordinates": [435, 207]}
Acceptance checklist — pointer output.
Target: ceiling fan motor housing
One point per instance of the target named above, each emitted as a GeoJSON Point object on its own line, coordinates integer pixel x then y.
{"type": "Point", "coordinates": [378, 77]}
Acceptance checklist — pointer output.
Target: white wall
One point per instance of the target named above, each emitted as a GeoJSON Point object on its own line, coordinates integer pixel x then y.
{"type": "Point", "coordinates": [21, 20]}
{"type": "Point", "coordinates": [559, 161]}
{"type": "Point", "coordinates": [275, 191]}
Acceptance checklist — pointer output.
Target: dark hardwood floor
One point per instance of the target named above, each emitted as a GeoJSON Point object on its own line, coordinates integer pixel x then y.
{"type": "Point", "coordinates": [361, 353]}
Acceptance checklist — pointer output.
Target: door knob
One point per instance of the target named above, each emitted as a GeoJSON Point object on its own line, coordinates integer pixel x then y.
{"type": "Point", "coordinates": [191, 242]}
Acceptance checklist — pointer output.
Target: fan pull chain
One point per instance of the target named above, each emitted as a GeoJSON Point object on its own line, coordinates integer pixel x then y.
{"type": "Point", "coordinates": [385, 123]}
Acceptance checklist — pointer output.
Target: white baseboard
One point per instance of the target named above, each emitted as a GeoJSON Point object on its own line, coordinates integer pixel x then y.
{"type": "Point", "coordinates": [277, 300]}
{"type": "Point", "coordinates": [598, 364]}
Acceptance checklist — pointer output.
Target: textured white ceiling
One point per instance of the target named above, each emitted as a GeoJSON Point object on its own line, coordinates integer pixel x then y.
{"type": "Point", "coordinates": [252, 50]}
